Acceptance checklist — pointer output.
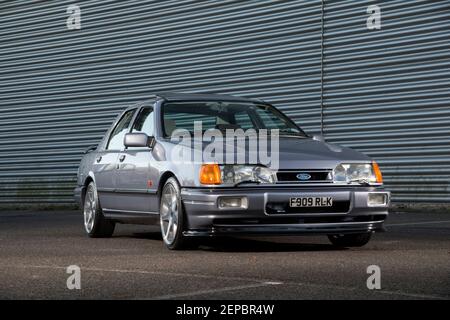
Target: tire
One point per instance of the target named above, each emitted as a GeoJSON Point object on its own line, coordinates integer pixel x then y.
{"type": "Point", "coordinates": [95, 224]}
{"type": "Point", "coordinates": [350, 240]}
{"type": "Point", "coordinates": [172, 217]}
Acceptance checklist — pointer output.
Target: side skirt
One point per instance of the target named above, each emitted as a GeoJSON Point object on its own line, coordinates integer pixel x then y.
{"type": "Point", "coordinates": [132, 217]}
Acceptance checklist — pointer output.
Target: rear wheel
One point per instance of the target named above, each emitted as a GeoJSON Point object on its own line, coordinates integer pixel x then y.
{"type": "Point", "coordinates": [172, 216]}
{"type": "Point", "coordinates": [95, 224]}
{"type": "Point", "coordinates": [350, 240]}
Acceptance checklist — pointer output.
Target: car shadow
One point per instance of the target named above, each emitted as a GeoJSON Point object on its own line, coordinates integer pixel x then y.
{"type": "Point", "coordinates": [237, 244]}
{"type": "Point", "coordinates": [230, 244]}
{"type": "Point", "coordinates": [142, 235]}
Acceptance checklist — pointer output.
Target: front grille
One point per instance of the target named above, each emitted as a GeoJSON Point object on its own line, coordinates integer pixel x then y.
{"type": "Point", "coordinates": [309, 176]}
{"type": "Point", "coordinates": [284, 208]}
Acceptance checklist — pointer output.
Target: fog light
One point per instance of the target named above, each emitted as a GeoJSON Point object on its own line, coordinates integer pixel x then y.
{"type": "Point", "coordinates": [377, 199]}
{"type": "Point", "coordinates": [233, 202]}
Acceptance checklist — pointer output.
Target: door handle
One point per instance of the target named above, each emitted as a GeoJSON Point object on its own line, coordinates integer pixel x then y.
{"type": "Point", "coordinates": [121, 158]}
{"type": "Point", "coordinates": [98, 159]}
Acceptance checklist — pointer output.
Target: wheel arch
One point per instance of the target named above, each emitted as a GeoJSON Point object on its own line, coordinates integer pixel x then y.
{"type": "Point", "coordinates": [89, 178]}
{"type": "Point", "coordinates": [162, 181]}
{"type": "Point", "coordinates": [165, 176]}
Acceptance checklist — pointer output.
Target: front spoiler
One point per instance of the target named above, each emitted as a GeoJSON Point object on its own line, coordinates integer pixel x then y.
{"type": "Point", "coordinates": [290, 229]}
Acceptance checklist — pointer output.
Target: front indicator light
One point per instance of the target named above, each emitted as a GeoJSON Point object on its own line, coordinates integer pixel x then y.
{"type": "Point", "coordinates": [210, 174]}
{"type": "Point", "coordinates": [377, 171]}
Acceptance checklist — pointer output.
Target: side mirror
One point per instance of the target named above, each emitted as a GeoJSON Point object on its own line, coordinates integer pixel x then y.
{"type": "Point", "coordinates": [318, 137]}
{"type": "Point", "coordinates": [138, 139]}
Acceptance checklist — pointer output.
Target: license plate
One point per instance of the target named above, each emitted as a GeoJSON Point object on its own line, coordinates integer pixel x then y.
{"type": "Point", "coordinates": [311, 202]}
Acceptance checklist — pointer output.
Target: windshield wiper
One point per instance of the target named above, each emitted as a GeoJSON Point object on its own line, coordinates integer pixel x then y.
{"type": "Point", "coordinates": [291, 133]}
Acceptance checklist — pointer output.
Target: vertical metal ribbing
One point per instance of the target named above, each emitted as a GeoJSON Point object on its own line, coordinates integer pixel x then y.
{"type": "Point", "coordinates": [60, 89]}
{"type": "Point", "coordinates": [322, 21]}
{"type": "Point", "coordinates": [387, 91]}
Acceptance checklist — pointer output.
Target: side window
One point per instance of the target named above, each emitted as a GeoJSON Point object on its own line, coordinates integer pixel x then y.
{"type": "Point", "coordinates": [243, 120]}
{"type": "Point", "coordinates": [270, 120]}
{"type": "Point", "coordinates": [116, 139]}
{"type": "Point", "coordinates": [144, 122]}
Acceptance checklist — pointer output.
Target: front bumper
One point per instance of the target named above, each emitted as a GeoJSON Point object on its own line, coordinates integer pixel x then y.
{"type": "Point", "coordinates": [206, 218]}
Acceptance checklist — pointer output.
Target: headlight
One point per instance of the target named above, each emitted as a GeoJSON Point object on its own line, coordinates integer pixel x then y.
{"type": "Point", "coordinates": [340, 174]}
{"type": "Point", "coordinates": [366, 173]}
{"type": "Point", "coordinates": [234, 174]}
{"type": "Point", "coordinates": [264, 175]}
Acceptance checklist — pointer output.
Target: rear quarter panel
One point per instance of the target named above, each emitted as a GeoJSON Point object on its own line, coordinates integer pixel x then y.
{"type": "Point", "coordinates": [85, 167]}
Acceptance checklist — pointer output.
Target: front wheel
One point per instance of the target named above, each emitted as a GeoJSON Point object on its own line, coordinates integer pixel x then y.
{"type": "Point", "coordinates": [350, 240]}
{"type": "Point", "coordinates": [172, 216]}
{"type": "Point", "coordinates": [95, 224]}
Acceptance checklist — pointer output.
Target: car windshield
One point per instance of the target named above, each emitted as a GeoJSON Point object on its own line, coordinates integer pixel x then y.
{"type": "Point", "coordinates": [222, 116]}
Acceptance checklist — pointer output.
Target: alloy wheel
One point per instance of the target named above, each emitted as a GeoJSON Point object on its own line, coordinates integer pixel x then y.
{"type": "Point", "coordinates": [169, 214]}
{"type": "Point", "coordinates": [90, 207]}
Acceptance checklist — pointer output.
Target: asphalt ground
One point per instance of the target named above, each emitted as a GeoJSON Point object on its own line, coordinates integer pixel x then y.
{"type": "Point", "coordinates": [37, 247]}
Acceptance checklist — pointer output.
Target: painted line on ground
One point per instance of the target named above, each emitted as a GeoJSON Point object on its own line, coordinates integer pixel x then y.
{"type": "Point", "coordinates": [218, 290]}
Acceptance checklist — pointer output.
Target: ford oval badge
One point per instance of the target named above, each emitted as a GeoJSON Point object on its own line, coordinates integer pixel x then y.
{"type": "Point", "coordinates": [303, 176]}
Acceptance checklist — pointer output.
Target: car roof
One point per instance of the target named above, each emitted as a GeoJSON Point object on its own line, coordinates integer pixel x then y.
{"type": "Point", "coordinates": [174, 96]}
{"type": "Point", "coordinates": [179, 96]}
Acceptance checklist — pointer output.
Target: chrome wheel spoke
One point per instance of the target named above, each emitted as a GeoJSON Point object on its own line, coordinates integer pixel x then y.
{"type": "Point", "coordinates": [91, 196]}
{"type": "Point", "coordinates": [175, 224]}
{"type": "Point", "coordinates": [166, 200]}
{"type": "Point", "coordinates": [175, 219]}
{"type": "Point", "coordinates": [169, 229]}
{"type": "Point", "coordinates": [165, 212]}
{"type": "Point", "coordinates": [90, 218]}
{"type": "Point", "coordinates": [173, 206]}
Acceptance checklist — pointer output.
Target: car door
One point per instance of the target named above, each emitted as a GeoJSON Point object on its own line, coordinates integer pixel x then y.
{"type": "Point", "coordinates": [136, 190]}
{"type": "Point", "coordinates": [105, 163]}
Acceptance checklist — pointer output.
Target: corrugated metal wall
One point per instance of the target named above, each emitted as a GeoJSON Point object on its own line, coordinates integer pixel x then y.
{"type": "Point", "coordinates": [60, 89]}
{"type": "Point", "coordinates": [386, 92]}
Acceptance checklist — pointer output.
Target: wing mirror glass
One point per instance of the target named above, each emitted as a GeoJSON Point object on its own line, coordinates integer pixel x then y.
{"type": "Point", "coordinates": [138, 139]}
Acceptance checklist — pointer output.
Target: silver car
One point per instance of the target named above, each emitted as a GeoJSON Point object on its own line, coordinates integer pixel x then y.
{"type": "Point", "coordinates": [134, 176]}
